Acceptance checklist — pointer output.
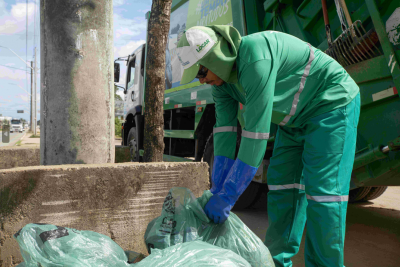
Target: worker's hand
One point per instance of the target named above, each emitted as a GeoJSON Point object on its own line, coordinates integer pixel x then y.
{"type": "Point", "coordinates": [217, 209]}
{"type": "Point", "coordinates": [237, 180]}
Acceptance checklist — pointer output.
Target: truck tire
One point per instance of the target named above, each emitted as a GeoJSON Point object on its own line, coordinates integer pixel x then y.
{"type": "Point", "coordinates": [358, 193]}
{"type": "Point", "coordinates": [252, 192]}
{"type": "Point", "coordinates": [133, 145]}
{"type": "Point", "coordinates": [375, 192]}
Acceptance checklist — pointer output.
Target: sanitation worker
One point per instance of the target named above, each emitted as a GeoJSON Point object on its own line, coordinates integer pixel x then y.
{"type": "Point", "coordinates": [316, 105]}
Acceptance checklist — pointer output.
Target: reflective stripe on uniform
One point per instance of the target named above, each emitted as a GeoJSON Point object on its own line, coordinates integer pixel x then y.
{"type": "Point", "coordinates": [328, 198]}
{"type": "Point", "coordinates": [286, 186]}
{"type": "Point", "coordinates": [225, 129]}
{"type": "Point", "coordinates": [255, 135]}
{"type": "Point", "coordinates": [302, 83]}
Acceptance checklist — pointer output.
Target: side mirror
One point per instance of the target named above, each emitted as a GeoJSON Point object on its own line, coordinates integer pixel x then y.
{"type": "Point", "coordinates": [116, 72]}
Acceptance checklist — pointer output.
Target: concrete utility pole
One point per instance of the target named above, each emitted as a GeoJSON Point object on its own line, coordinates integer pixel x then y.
{"type": "Point", "coordinates": [34, 74]}
{"type": "Point", "coordinates": [35, 95]}
{"type": "Point", "coordinates": [32, 110]}
{"type": "Point", "coordinates": [77, 86]}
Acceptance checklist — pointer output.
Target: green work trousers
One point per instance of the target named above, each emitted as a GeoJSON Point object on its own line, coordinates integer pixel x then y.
{"type": "Point", "coordinates": [309, 178]}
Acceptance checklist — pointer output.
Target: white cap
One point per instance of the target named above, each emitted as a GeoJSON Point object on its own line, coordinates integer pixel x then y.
{"type": "Point", "coordinates": [199, 44]}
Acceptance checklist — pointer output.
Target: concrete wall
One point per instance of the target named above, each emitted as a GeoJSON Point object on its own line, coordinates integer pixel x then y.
{"type": "Point", "coordinates": [117, 200]}
{"type": "Point", "coordinates": [12, 157]}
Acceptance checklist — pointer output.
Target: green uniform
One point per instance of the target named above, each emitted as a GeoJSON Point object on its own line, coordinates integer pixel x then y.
{"type": "Point", "coordinates": [309, 179]}
{"type": "Point", "coordinates": [283, 80]}
{"type": "Point", "coordinates": [286, 81]}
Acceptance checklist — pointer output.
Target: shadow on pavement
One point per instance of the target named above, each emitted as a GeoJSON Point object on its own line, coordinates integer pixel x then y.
{"type": "Point", "coordinates": [372, 232]}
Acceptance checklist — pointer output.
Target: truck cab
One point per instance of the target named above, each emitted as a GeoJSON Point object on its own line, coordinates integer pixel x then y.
{"type": "Point", "coordinates": [133, 94]}
{"type": "Point", "coordinates": [16, 126]}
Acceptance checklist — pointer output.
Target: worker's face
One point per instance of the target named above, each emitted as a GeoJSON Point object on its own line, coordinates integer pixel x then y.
{"type": "Point", "coordinates": [211, 78]}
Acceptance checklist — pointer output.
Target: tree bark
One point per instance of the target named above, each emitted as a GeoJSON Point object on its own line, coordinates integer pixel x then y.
{"type": "Point", "coordinates": [158, 28]}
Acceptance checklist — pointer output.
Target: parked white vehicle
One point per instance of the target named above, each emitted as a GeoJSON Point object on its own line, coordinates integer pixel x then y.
{"type": "Point", "coordinates": [16, 126]}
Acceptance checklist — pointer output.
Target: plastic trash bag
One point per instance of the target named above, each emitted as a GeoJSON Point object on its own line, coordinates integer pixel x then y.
{"type": "Point", "coordinates": [50, 245]}
{"type": "Point", "coordinates": [183, 220]}
{"type": "Point", "coordinates": [192, 254]}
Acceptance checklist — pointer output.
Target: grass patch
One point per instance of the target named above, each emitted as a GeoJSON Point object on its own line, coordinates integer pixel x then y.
{"type": "Point", "coordinates": [18, 143]}
{"type": "Point", "coordinates": [34, 136]}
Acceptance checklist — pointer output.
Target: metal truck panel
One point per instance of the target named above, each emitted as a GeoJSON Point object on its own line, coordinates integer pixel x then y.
{"type": "Point", "coordinates": [378, 78]}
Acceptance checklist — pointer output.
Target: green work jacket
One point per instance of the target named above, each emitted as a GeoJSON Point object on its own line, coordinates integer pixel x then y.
{"type": "Point", "coordinates": [281, 79]}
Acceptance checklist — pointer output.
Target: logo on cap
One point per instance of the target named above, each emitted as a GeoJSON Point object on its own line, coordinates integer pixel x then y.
{"type": "Point", "coordinates": [200, 47]}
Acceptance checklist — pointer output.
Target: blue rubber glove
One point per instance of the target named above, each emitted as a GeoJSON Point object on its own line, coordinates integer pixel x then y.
{"type": "Point", "coordinates": [217, 209]}
{"type": "Point", "coordinates": [221, 168]}
{"type": "Point", "coordinates": [237, 180]}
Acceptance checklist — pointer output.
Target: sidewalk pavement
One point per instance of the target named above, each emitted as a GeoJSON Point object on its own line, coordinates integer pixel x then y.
{"type": "Point", "coordinates": [27, 141]}
{"type": "Point", "coordinates": [12, 140]}
{"type": "Point", "coordinates": [32, 142]}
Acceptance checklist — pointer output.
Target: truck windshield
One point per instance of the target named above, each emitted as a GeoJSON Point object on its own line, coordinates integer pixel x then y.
{"type": "Point", "coordinates": [15, 122]}
{"type": "Point", "coordinates": [131, 75]}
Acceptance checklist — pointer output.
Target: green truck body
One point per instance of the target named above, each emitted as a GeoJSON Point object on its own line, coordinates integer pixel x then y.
{"type": "Point", "coordinates": [189, 113]}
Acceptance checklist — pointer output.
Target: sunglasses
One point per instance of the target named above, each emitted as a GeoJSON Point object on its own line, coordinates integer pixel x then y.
{"type": "Point", "coordinates": [202, 73]}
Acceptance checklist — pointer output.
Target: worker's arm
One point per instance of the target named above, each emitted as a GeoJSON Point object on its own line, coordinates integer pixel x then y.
{"type": "Point", "coordinates": [258, 80]}
{"type": "Point", "coordinates": [225, 128]}
{"type": "Point", "coordinates": [224, 136]}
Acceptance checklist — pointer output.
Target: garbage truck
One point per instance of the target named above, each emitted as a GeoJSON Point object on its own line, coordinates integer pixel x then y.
{"type": "Point", "coordinates": [362, 35]}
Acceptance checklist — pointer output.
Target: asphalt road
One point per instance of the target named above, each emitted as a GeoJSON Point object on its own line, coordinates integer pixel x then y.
{"type": "Point", "coordinates": [372, 232]}
{"type": "Point", "coordinates": [14, 138]}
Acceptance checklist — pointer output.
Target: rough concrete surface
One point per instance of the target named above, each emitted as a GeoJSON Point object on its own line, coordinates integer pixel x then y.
{"type": "Point", "coordinates": [12, 157]}
{"type": "Point", "coordinates": [77, 82]}
{"type": "Point", "coordinates": [117, 200]}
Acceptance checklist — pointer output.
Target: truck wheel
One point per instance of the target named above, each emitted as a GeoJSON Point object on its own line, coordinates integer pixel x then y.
{"type": "Point", "coordinates": [249, 196]}
{"type": "Point", "coordinates": [358, 193]}
{"type": "Point", "coordinates": [133, 145]}
{"type": "Point", "coordinates": [252, 192]}
{"type": "Point", "coordinates": [375, 192]}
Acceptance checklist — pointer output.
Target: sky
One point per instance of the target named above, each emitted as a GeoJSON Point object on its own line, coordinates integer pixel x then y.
{"type": "Point", "coordinates": [20, 32]}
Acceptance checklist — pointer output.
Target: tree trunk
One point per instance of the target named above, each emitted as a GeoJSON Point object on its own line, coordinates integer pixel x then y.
{"type": "Point", "coordinates": [158, 29]}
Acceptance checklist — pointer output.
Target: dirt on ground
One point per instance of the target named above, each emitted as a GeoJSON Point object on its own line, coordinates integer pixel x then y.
{"type": "Point", "coordinates": [372, 232]}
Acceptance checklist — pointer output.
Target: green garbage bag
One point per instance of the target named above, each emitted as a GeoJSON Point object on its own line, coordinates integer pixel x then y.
{"type": "Point", "coordinates": [195, 253]}
{"type": "Point", "coordinates": [50, 245]}
{"type": "Point", "coordinates": [183, 220]}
